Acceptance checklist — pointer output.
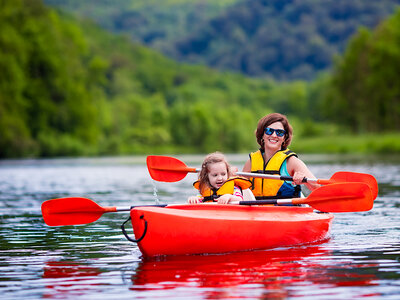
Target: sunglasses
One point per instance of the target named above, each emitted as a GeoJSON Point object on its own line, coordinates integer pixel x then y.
{"type": "Point", "coordinates": [270, 131]}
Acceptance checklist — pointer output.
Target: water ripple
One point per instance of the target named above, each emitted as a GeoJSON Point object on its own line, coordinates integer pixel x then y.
{"type": "Point", "coordinates": [362, 259]}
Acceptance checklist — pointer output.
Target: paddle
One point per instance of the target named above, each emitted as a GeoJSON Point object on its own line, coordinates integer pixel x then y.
{"type": "Point", "coordinates": [170, 169]}
{"type": "Point", "coordinates": [77, 211]}
{"type": "Point", "coordinates": [338, 197]}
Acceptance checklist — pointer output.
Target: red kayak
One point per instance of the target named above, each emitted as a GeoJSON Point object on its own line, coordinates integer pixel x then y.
{"type": "Point", "coordinates": [214, 228]}
{"type": "Point", "coordinates": [163, 229]}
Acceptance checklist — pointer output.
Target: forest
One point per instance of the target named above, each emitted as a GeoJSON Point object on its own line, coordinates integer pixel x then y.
{"type": "Point", "coordinates": [70, 88]}
{"type": "Point", "coordinates": [298, 38]}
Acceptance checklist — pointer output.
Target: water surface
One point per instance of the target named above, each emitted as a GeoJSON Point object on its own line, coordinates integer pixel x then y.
{"type": "Point", "coordinates": [95, 261]}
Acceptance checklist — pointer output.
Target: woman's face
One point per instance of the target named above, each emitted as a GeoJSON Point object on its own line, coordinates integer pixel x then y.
{"type": "Point", "coordinates": [217, 174]}
{"type": "Point", "coordinates": [273, 141]}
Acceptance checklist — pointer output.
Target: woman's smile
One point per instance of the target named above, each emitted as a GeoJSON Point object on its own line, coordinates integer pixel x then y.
{"type": "Point", "coordinates": [273, 140]}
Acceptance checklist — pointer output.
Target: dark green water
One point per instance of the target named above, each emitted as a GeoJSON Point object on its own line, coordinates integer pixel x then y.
{"type": "Point", "coordinates": [95, 261]}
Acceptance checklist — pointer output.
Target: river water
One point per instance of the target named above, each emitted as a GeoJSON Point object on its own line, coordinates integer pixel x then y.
{"type": "Point", "coordinates": [95, 261]}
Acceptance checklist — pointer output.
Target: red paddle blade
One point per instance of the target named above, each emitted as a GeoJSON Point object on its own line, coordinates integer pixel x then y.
{"type": "Point", "coordinates": [71, 211]}
{"type": "Point", "coordinates": [358, 177]}
{"type": "Point", "coordinates": [340, 197]}
{"type": "Point", "coordinates": [168, 169]}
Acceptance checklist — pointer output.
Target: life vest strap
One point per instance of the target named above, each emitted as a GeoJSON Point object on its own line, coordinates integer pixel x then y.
{"type": "Point", "coordinates": [211, 198]}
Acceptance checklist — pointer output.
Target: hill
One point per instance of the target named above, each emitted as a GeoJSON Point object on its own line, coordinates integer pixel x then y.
{"type": "Point", "coordinates": [281, 39]}
{"type": "Point", "coordinates": [70, 88]}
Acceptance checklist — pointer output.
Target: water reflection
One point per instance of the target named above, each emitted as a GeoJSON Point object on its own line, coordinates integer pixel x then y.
{"type": "Point", "coordinates": [68, 279]}
{"type": "Point", "coordinates": [271, 273]}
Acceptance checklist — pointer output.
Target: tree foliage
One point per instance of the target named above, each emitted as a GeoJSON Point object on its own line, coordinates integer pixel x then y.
{"type": "Point", "coordinates": [364, 93]}
{"type": "Point", "coordinates": [69, 88]}
{"type": "Point", "coordinates": [40, 89]}
{"type": "Point", "coordinates": [282, 39]}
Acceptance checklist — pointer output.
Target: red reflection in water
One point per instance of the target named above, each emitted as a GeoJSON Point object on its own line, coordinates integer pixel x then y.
{"type": "Point", "coordinates": [278, 273]}
{"type": "Point", "coordinates": [59, 269]}
{"type": "Point", "coordinates": [271, 272]}
{"type": "Point", "coordinates": [70, 274]}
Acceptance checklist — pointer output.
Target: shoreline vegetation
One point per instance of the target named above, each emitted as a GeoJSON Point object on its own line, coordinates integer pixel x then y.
{"type": "Point", "coordinates": [357, 144]}
{"type": "Point", "coordinates": [71, 89]}
{"type": "Point", "coordinates": [385, 147]}
{"type": "Point", "coordinates": [195, 159]}
{"type": "Point", "coordinates": [371, 143]}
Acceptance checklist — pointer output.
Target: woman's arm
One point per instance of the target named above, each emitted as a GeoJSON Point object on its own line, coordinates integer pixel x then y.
{"type": "Point", "coordinates": [298, 170]}
{"type": "Point", "coordinates": [247, 166]}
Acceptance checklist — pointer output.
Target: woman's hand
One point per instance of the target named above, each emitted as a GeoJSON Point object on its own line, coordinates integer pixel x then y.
{"type": "Point", "coordinates": [298, 177]}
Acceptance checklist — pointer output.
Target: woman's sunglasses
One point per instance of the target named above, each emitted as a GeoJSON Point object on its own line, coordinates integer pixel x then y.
{"type": "Point", "coordinates": [270, 131]}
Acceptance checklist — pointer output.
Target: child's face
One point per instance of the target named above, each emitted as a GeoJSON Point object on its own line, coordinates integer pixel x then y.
{"type": "Point", "coordinates": [217, 174]}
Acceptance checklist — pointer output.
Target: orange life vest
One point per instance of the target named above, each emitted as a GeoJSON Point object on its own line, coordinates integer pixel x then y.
{"type": "Point", "coordinates": [210, 194]}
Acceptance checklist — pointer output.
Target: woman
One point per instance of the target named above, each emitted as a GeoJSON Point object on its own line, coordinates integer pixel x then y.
{"type": "Point", "coordinates": [274, 135]}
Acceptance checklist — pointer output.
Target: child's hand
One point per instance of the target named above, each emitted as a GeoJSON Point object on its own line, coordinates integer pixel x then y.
{"type": "Point", "coordinates": [234, 170]}
{"type": "Point", "coordinates": [224, 199]}
{"type": "Point", "coordinates": [195, 199]}
{"type": "Point", "coordinates": [228, 198]}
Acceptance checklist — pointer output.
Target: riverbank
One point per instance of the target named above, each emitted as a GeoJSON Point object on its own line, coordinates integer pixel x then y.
{"type": "Point", "coordinates": [387, 143]}
{"type": "Point", "coordinates": [382, 145]}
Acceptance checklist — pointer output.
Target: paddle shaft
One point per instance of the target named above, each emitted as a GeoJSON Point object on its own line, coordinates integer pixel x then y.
{"type": "Point", "coordinates": [267, 201]}
{"type": "Point", "coordinates": [128, 208]}
{"type": "Point", "coordinates": [278, 177]}
{"type": "Point", "coordinates": [253, 175]}
{"type": "Point", "coordinates": [270, 176]}
{"type": "Point", "coordinates": [244, 202]}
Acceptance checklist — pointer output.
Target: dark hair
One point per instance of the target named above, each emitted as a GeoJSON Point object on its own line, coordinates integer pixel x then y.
{"type": "Point", "coordinates": [211, 158]}
{"type": "Point", "coordinates": [268, 120]}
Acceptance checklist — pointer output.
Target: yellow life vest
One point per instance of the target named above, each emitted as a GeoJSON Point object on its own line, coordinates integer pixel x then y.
{"type": "Point", "coordinates": [267, 188]}
{"type": "Point", "coordinates": [210, 194]}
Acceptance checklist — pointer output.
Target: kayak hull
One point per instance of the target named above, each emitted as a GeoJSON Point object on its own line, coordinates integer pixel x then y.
{"type": "Point", "coordinates": [214, 228]}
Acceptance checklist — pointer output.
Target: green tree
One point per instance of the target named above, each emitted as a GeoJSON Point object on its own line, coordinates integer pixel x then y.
{"type": "Point", "coordinates": [364, 93]}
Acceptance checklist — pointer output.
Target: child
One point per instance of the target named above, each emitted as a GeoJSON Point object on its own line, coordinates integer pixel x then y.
{"type": "Point", "coordinates": [215, 184]}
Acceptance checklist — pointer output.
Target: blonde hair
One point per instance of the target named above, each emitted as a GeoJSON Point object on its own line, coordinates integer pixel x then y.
{"type": "Point", "coordinates": [268, 120]}
{"type": "Point", "coordinates": [211, 158]}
